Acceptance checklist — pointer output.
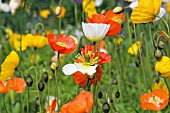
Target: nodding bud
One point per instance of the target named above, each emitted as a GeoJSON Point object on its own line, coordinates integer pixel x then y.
{"type": "Point", "coordinates": [111, 101]}
{"type": "Point", "coordinates": [161, 44]}
{"type": "Point", "coordinates": [41, 85]}
{"type": "Point", "coordinates": [103, 12]}
{"type": "Point", "coordinates": [29, 81]}
{"type": "Point", "coordinates": [36, 104]}
{"type": "Point", "coordinates": [57, 10]}
{"type": "Point", "coordinates": [117, 94]}
{"type": "Point", "coordinates": [114, 82]}
{"type": "Point", "coordinates": [137, 63]}
{"type": "Point", "coordinates": [100, 95]}
{"type": "Point", "coordinates": [157, 79]}
{"type": "Point", "coordinates": [158, 54]}
{"type": "Point", "coordinates": [118, 10]}
{"type": "Point", "coordinates": [45, 77]}
{"type": "Point", "coordinates": [106, 107]}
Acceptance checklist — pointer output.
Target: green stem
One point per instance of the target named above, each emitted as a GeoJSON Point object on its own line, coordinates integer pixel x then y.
{"type": "Point", "coordinates": [36, 26]}
{"type": "Point", "coordinates": [150, 33]}
{"type": "Point", "coordinates": [28, 100]}
{"type": "Point", "coordinates": [75, 13]}
{"type": "Point", "coordinates": [5, 105]}
{"type": "Point", "coordinates": [59, 25]}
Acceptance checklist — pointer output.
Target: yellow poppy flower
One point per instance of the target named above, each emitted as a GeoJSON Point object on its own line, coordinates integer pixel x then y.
{"type": "Point", "coordinates": [8, 66]}
{"type": "Point", "coordinates": [62, 11]}
{"type": "Point", "coordinates": [44, 13]}
{"type": "Point", "coordinates": [168, 7]}
{"type": "Point", "coordinates": [133, 50]}
{"type": "Point", "coordinates": [36, 41]}
{"type": "Point", "coordinates": [89, 7]}
{"type": "Point", "coordinates": [163, 67]}
{"type": "Point", "coordinates": [160, 85]}
{"type": "Point", "coordinates": [9, 32]}
{"type": "Point", "coordinates": [147, 11]}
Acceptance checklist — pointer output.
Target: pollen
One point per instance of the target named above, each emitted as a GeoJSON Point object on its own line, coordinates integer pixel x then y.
{"type": "Point", "coordinates": [61, 44]}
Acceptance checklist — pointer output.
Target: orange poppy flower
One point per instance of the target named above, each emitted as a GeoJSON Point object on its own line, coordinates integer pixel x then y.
{"type": "Point", "coordinates": [115, 27]}
{"type": "Point", "coordinates": [51, 108]}
{"type": "Point", "coordinates": [116, 17]}
{"type": "Point", "coordinates": [63, 44]}
{"type": "Point", "coordinates": [83, 103]}
{"type": "Point", "coordinates": [156, 100]}
{"type": "Point", "coordinates": [81, 79]}
{"type": "Point", "coordinates": [16, 84]}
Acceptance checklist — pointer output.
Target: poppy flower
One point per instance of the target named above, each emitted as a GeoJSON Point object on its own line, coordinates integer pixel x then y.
{"type": "Point", "coordinates": [160, 85]}
{"type": "Point", "coordinates": [13, 5]}
{"type": "Point", "coordinates": [44, 13]}
{"type": "Point", "coordinates": [50, 108]}
{"type": "Point", "coordinates": [89, 7]}
{"type": "Point", "coordinates": [36, 41]}
{"type": "Point", "coordinates": [162, 67]}
{"type": "Point", "coordinates": [115, 17]}
{"type": "Point", "coordinates": [86, 62]}
{"type": "Point", "coordinates": [117, 40]}
{"type": "Point", "coordinates": [63, 44]}
{"type": "Point", "coordinates": [9, 65]}
{"type": "Point", "coordinates": [168, 7]}
{"type": "Point", "coordinates": [83, 103]}
{"type": "Point", "coordinates": [147, 11]}
{"type": "Point", "coordinates": [95, 32]}
{"type": "Point", "coordinates": [115, 27]}
{"type": "Point", "coordinates": [81, 79]}
{"type": "Point", "coordinates": [156, 100]}
{"type": "Point", "coordinates": [18, 85]}
{"type": "Point", "coordinates": [133, 50]}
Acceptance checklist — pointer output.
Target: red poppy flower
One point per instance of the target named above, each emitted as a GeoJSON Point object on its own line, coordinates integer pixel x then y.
{"type": "Point", "coordinates": [16, 84]}
{"type": "Point", "coordinates": [51, 108]}
{"type": "Point", "coordinates": [115, 17]}
{"type": "Point", "coordinates": [83, 103]}
{"type": "Point", "coordinates": [81, 79]}
{"type": "Point", "coordinates": [63, 44]}
{"type": "Point", "coordinates": [156, 100]}
{"type": "Point", "coordinates": [115, 27]}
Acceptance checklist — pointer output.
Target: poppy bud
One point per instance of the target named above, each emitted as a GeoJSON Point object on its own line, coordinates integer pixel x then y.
{"type": "Point", "coordinates": [106, 107]}
{"type": "Point", "coordinates": [100, 95]}
{"type": "Point", "coordinates": [45, 77]}
{"type": "Point", "coordinates": [54, 66]}
{"type": "Point", "coordinates": [111, 101]}
{"type": "Point", "coordinates": [157, 79]}
{"type": "Point", "coordinates": [41, 85]}
{"type": "Point", "coordinates": [118, 10]}
{"type": "Point", "coordinates": [29, 81]}
{"type": "Point", "coordinates": [117, 94]}
{"type": "Point", "coordinates": [158, 54]}
{"type": "Point", "coordinates": [137, 62]}
{"type": "Point", "coordinates": [161, 44]}
{"type": "Point", "coordinates": [103, 12]}
{"type": "Point", "coordinates": [57, 10]}
{"type": "Point", "coordinates": [36, 104]}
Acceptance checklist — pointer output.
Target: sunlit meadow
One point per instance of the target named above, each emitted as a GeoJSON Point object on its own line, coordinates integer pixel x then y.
{"type": "Point", "coordinates": [84, 56]}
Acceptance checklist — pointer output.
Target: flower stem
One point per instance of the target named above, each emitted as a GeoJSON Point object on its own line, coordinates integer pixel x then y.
{"type": "Point", "coordinates": [75, 13]}
{"type": "Point", "coordinates": [28, 100]}
{"type": "Point", "coordinates": [5, 105]}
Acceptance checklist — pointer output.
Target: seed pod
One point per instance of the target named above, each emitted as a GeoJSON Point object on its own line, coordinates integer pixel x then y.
{"type": "Point", "coordinates": [137, 63]}
{"type": "Point", "coordinates": [45, 77]}
{"type": "Point", "coordinates": [117, 94]}
{"type": "Point", "coordinates": [106, 107]}
{"type": "Point", "coordinates": [111, 101]}
{"type": "Point", "coordinates": [118, 10]}
{"type": "Point", "coordinates": [161, 44]}
{"type": "Point", "coordinates": [114, 82]}
{"type": "Point", "coordinates": [158, 54]}
{"type": "Point", "coordinates": [29, 81]}
{"type": "Point", "coordinates": [100, 95]}
{"type": "Point", "coordinates": [41, 85]}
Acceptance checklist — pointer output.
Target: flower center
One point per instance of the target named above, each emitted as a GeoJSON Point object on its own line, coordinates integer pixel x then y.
{"type": "Point", "coordinates": [61, 44]}
{"type": "Point", "coordinates": [155, 100]}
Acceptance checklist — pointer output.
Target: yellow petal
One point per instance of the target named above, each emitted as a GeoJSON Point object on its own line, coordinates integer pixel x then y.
{"type": "Point", "coordinates": [8, 66]}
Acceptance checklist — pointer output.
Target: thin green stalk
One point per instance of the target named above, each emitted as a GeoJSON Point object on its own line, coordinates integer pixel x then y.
{"type": "Point", "coordinates": [59, 26]}
{"type": "Point", "coordinates": [4, 105]}
{"type": "Point", "coordinates": [150, 33]}
{"type": "Point", "coordinates": [28, 100]}
{"type": "Point", "coordinates": [75, 13]}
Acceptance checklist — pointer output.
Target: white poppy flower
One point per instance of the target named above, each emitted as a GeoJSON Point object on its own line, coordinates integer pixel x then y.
{"type": "Point", "coordinates": [94, 31]}
{"type": "Point", "coordinates": [98, 3]}
{"type": "Point", "coordinates": [13, 5]}
{"type": "Point", "coordinates": [134, 4]}
{"type": "Point", "coordinates": [161, 14]}
{"type": "Point", "coordinates": [69, 69]}
{"type": "Point", "coordinates": [4, 7]}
